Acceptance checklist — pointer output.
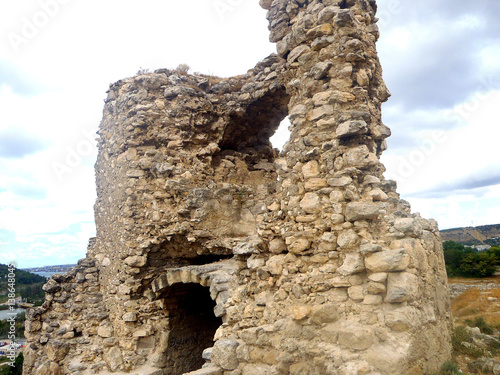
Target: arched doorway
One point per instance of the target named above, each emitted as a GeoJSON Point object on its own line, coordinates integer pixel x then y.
{"type": "Point", "coordinates": [192, 324]}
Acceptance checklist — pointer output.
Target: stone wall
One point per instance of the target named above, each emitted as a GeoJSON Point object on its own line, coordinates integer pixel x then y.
{"type": "Point", "coordinates": [303, 262]}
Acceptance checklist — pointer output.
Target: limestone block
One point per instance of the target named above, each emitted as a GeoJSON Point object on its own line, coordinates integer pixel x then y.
{"type": "Point", "coordinates": [356, 337]}
{"type": "Point", "coordinates": [353, 263]}
{"type": "Point", "coordinates": [251, 245]}
{"type": "Point", "coordinates": [380, 131]}
{"type": "Point", "coordinates": [388, 261]}
{"type": "Point", "coordinates": [347, 238]}
{"type": "Point", "coordinates": [378, 195]}
{"type": "Point", "coordinates": [320, 70]}
{"type": "Point", "coordinates": [297, 111]}
{"type": "Point", "coordinates": [224, 354]}
{"type": "Point", "coordinates": [356, 293]}
{"type": "Point", "coordinates": [327, 14]}
{"type": "Point", "coordinates": [257, 369]}
{"type": "Point", "coordinates": [130, 317]}
{"type": "Point", "coordinates": [379, 277]}
{"type": "Point", "coordinates": [359, 157]}
{"type": "Point", "coordinates": [300, 312]}
{"type": "Point", "coordinates": [160, 283]}
{"type": "Point", "coordinates": [315, 184]}
{"type": "Point", "coordinates": [275, 264]}
{"type": "Point", "coordinates": [376, 288]}
{"type": "Point", "coordinates": [339, 181]}
{"type": "Point", "coordinates": [319, 113]}
{"type": "Point", "coordinates": [408, 226]}
{"type": "Point", "coordinates": [326, 313]}
{"type": "Point", "coordinates": [136, 261]}
{"type": "Point", "coordinates": [174, 276]}
{"type": "Point", "coordinates": [186, 276]}
{"type": "Point", "coordinates": [310, 203]}
{"type": "Point", "coordinates": [402, 287]}
{"type": "Point", "coordinates": [370, 248]}
{"type": "Point", "coordinates": [113, 358]}
{"type": "Point", "coordinates": [56, 350]}
{"type": "Point", "coordinates": [255, 262]}
{"type": "Point", "coordinates": [206, 370]}
{"type": "Point", "coordinates": [299, 245]}
{"type": "Point", "coordinates": [297, 52]}
{"type": "Point", "coordinates": [362, 211]}
{"type": "Point", "coordinates": [277, 246]}
{"type": "Point", "coordinates": [124, 289]}
{"type": "Point", "coordinates": [105, 330]}
{"type": "Point", "coordinates": [362, 78]}
{"type": "Point", "coordinates": [311, 169]}
{"type": "Point", "coordinates": [371, 299]}
{"type": "Point", "coordinates": [51, 286]}
{"type": "Point", "coordinates": [351, 128]}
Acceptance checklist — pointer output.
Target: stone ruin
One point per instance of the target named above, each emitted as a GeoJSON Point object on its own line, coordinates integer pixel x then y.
{"type": "Point", "coordinates": [218, 255]}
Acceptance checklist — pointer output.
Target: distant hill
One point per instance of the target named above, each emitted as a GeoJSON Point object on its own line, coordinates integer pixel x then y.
{"type": "Point", "coordinates": [482, 235]}
{"type": "Point", "coordinates": [28, 285]}
{"type": "Point", "coordinates": [63, 268]}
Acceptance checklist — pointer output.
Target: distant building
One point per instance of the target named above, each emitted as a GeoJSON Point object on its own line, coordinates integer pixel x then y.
{"type": "Point", "coordinates": [481, 247]}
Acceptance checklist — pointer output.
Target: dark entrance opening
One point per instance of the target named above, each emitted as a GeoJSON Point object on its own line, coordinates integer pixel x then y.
{"type": "Point", "coordinates": [192, 326]}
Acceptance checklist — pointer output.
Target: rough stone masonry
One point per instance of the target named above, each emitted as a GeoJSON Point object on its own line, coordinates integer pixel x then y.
{"type": "Point", "coordinates": [217, 255]}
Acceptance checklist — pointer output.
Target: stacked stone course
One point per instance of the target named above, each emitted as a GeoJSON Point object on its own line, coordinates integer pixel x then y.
{"type": "Point", "coordinates": [302, 262]}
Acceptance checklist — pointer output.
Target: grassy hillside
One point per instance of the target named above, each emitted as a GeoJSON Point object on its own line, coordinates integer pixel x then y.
{"type": "Point", "coordinates": [28, 285]}
{"type": "Point", "coordinates": [482, 235]}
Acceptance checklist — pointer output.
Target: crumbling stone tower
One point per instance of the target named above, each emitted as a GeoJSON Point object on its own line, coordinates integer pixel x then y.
{"type": "Point", "coordinates": [213, 250]}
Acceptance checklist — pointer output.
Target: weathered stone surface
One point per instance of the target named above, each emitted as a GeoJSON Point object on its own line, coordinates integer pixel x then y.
{"type": "Point", "coordinates": [311, 203]}
{"type": "Point", "coordinates": [356, 337]}
{"type": "Point", "coordinates": [224, 354]}
{"type": "Point", "coordinates": [348, 238]}
{"type": "Point", "coordinates": [353, 263]}
{"type": "Point", "coordinates": [327, 313]}
{"type": "Point", "coordinates": [362, 211]}
{"type": "Point", "coordinates": [351, 128]}
{"type": "Point", "coordinates": [388, 261]}
{"type": "Point", "coordinates": [306, 262]}
{"type": "Point", "coordinates": [113, 358]}
{"type": "Point", "coordinates": [277, 246]}
{"type": "Point", "coordinates": [402, 287]}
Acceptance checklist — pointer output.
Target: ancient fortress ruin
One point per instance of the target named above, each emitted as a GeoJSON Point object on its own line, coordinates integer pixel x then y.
{"type": "Point", "coordinates": [217, 255]}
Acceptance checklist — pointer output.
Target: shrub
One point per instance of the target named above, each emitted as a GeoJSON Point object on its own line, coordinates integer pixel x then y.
{"type": "Point", "coordinates": [467, 262]}
{"type": "Point", "coordinates": [480, 323]}
{"type": "Point", "coordinates": [142, 71]}
{"type": "Point", "coordinates": [461, 341]}
{"type": "Point", "coordinates": [450, 368]}
{"type": "Point", "coordinates": [183, 69]}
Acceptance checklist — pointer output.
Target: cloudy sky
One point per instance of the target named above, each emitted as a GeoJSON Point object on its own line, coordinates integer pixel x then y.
{"type": "Point", "coordinates": [57, 58]}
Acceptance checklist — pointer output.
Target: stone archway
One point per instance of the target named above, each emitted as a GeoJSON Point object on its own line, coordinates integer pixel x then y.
{"type": "Point", "coordinates": [194, 299]}
{"type": "Point", "coordinates": [192, 325]}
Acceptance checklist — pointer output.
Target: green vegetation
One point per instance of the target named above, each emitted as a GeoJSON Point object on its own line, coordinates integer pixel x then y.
{"type": "Point", "coordinates": [5, 327]}
{"type": "Point", "coordinates": [480, 323]}
{"type": "Point", "coordinates": [16, 370]}
{"type": "Point", "coordinates": [28, 285]}
{"type": "Point", "coordinates": [461, 341]}
{"type": "Point", "coordinates": [467, 262]}
{"type": "Point", "coordinates": [450, 368]}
